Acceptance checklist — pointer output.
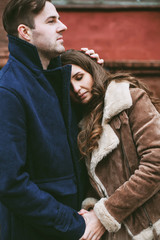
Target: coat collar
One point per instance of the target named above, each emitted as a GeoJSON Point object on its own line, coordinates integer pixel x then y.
{"type": "Point", "coordinates": [117, 99]}
{"type": "Point", "coordinates": [27, 54]}
{"type": "Point", "coordinates": [57, 75]}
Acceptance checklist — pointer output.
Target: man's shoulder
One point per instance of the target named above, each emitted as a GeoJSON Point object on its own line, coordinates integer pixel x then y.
{"type": "Point", "coordinates": [5, 72]}
{"type": "Point", "coordinates": [13, 71]}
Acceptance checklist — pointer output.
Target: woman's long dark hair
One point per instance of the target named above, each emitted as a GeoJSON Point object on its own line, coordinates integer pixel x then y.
{"type": "Point", "coordinates": [90, 133]}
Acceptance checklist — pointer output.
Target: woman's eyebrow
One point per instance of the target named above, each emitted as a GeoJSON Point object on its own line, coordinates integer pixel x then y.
{"type": "Point", "coordinates": [76, 74]}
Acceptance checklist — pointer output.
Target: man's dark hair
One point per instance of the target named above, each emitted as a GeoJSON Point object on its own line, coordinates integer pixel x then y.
{"type": "Point", "coordinates": [19, 12]}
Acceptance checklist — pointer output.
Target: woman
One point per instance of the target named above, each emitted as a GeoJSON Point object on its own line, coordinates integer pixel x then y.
{"type": "Point", "coordinates": [120, 142]}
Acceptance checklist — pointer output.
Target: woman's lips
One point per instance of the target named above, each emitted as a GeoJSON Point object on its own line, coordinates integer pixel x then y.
{"type": "Point", "coordinates": [83, 95]}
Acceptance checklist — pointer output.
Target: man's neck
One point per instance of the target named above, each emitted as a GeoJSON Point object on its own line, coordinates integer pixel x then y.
{"type": "Point", "coordinates": [45, 61]}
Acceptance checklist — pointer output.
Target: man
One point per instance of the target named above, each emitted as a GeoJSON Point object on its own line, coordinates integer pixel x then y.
{"type": "Point", "coordinates": [41, 185]}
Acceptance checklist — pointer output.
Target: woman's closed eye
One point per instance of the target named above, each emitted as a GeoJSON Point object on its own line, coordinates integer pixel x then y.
{"type": "Point", "coordinates": [79, 77]}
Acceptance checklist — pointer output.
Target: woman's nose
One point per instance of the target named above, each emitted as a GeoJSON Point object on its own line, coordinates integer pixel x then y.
{"type": "Point", "coordinates": [76, 87]}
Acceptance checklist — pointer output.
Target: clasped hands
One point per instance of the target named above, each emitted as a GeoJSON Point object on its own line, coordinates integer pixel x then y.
{"type": "Point", "coordinates": [94, 228]}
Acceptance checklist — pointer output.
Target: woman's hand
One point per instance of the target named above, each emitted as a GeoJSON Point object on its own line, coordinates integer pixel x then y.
{"type": "Point", "coordinates": [94, 229]}
{"type": "Point", "coordinates": [82, 211]}
{"type": "Point", "coordinates": [93, 55]}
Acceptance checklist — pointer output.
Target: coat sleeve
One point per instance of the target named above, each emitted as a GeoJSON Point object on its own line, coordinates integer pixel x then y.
{"type": "Point", "coordinates": [17, 192]}
{"type": "Point", "coordinates": [144, 121]}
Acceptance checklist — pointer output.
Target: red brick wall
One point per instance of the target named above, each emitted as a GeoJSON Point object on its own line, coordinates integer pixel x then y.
{"type": "Point", "coordinates": [115, 35]}
{"type": "Point", "coordinates": [130, 36]}
{"type": "Point", "coordinates": [3, 37]}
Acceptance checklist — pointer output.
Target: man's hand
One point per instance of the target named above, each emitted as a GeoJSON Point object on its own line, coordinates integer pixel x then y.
{"type": "Point", "coordinates": [94, 229]}
{"type": "Point", "coordinates": [93, 55]}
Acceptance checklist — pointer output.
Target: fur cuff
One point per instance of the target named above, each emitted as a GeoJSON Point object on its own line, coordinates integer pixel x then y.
{"type": "Point", "coordinates": [104, 216]}
{"type": "Point", "coordinates": [148, 234]}
{"type": "Point", "coordinates": [89, 203]}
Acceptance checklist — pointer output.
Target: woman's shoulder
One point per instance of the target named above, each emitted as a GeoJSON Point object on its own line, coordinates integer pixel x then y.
{"type": "Point", "coordinates": [141, 102]}
{"type": "Point", "coordinates": [137, 92]}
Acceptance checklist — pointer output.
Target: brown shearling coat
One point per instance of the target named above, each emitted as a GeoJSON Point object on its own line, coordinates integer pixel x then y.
{"type": "Point", "coordinates": [125, 168]}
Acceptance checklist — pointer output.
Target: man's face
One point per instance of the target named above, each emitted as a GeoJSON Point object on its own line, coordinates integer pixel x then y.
{"type": "Point", "coordinates": [47, 35]}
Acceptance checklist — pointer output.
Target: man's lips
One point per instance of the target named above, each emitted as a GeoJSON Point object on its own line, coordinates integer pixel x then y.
{"type": "Point", "coordinates": [60, 38]}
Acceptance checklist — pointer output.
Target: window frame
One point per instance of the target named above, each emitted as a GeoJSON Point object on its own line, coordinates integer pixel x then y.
{"type": "Point", "coordinates": [106, 4]}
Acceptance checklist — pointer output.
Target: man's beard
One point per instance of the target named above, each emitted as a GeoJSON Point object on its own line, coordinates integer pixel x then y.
{"type": "Point", "coordinates": [51, 53]}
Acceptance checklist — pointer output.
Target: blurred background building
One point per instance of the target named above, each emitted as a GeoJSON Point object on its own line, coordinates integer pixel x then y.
{"type": "Point", "coordinates": [125, 33]}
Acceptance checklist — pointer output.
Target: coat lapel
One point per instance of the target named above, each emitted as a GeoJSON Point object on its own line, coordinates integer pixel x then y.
{"type": "Point", "coordinates": [117, 99]}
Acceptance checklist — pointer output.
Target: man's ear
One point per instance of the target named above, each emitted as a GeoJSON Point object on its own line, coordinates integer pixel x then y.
{"type": "Point", "coordinates": [24, 32]}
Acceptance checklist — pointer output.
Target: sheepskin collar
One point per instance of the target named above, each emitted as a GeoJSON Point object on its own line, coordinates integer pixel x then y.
{"type": "Point", "coordinates": [117, 99]}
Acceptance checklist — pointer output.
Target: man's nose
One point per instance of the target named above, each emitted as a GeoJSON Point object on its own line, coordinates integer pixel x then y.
{"type": "Point", "coordinates": [61, 27]}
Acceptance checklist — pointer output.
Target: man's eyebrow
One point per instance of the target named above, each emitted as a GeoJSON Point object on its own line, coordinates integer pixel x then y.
{"type": "Point", "coordinates": [53, 17]}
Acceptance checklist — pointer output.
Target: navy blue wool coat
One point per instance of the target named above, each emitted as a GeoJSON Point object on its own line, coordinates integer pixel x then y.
{"type": "Point", "coordinates": [40, 174]}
